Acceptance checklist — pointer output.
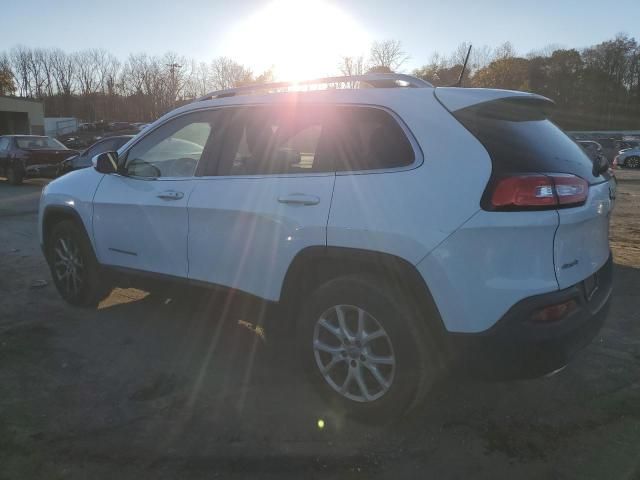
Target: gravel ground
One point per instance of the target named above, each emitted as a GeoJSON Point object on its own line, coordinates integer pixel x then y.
{"type": "Point", "coordinates": [158, 386]}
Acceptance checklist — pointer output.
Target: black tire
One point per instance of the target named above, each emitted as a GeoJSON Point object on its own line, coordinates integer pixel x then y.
{"type": "Point", "coordinates": [89, 288]}
{"type": "Point", "coordinates": [415, 369]}
{"type": "Point", "coordinates": [14, 175]}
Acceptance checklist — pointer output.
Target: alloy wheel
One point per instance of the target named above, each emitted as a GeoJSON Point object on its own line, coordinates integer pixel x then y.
{"type": "Point", "coordinates": [68, 265]}
{"type": "Point", "coordinates": [354, 353]}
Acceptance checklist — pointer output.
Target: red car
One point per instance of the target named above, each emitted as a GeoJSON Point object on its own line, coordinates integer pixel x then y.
{"type": "Point", "coordinates": [23, 156]}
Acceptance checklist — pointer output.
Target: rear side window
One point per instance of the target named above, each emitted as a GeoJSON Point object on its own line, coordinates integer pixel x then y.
{"type": "Point", "coordinates": [4, 143]}
{"type": "Point", "coordinates": [370, 139]}
{"type": "Point", "coordinates": [520, 138]}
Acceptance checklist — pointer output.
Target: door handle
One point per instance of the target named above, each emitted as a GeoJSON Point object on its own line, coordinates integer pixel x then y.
{"type": "Point", "coordinates": [299, 199]}
{"type": "Point", "coordinates": [170, 195]}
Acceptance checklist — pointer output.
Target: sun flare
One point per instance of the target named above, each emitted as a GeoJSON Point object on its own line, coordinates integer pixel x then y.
{"type": "Point", "coordinates": [299, 39]}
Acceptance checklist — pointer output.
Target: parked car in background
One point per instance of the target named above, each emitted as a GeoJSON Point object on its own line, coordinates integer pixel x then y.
{"type": "Point", "coordinates": [83, 159]}
{"type": "Point", "coordinates": [398, 228]}
{"type": "Point", "coordinates": [629, 158]}
{"type": "Point", "coordinates": [87, 127]}
{"type": "Point", "coordinates": [626, 144]}
{"type": "Point", "coordinates": [116, 126]}
{"type": "Point", "coordinates": [139, 126]}
{"type": "Point", "coordinates": [610, 147]}
{"type": "Point", "coordinates": [593, 149]}
{"type": "Point", "coordinates": [76, 141]}
{"type": "Point", "coordinates": [23, 156]}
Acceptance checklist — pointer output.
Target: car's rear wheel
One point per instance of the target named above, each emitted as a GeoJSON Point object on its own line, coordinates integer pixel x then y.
{"type": "Point", "coordinates": [632, 162]}
{"type": "Point", "coordinates": [74, 267]}
{"type": "Point", "coordinates": [14, 175]}
{"type": "Point", "coordinates": [363, 347]}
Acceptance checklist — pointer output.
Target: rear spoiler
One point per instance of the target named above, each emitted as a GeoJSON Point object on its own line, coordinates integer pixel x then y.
{"type": "Point", "coordinates": [454, 99]}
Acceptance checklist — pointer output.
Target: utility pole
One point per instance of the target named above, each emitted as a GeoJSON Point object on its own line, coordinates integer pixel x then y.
{"type": "Point", "coordinates": [174, 87]}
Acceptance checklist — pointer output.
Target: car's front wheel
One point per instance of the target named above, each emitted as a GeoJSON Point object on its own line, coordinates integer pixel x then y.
{"type": "Point", "coordinates": [74, 267]}
{"type": "Point", "coordinates": [361, 344]}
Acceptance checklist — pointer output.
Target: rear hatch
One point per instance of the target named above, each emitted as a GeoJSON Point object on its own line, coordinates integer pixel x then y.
{"type": "Point", "coordinates": [524, 143]}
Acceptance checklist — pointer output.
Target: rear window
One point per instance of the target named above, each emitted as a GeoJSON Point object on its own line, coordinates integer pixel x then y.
{"type": "Point", "coordinates": [520, 138]}
{"type": "Point", "coordinates": [39, 143]}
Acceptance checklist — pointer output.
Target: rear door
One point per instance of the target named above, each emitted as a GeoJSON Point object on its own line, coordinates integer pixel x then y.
{"type": "Point", "coordinates": [265, 200]}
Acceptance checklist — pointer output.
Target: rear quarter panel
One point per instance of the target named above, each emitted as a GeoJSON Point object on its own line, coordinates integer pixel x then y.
{"type": "Point", "coordinates": [408, 212]}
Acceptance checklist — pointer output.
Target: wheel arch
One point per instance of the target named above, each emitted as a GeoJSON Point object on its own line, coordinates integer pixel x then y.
{"type": "Point", "coordinates": [314, 266]}
{"type": "Point", "coordinates": [54, 214]}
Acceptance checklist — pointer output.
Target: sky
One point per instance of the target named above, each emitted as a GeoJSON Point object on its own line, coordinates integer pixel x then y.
{"type": "Point", "coordinates": [303, 37]}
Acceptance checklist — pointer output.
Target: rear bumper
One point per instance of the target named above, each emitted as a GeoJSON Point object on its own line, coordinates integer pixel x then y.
{"type": "Point", "coordinates": [515, 347]}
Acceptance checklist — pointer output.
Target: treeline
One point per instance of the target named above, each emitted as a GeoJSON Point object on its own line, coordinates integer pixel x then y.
{"type": "Point", "coordinates": [594, 88]}
{"type": "Point", "coordinates": [95, 85]}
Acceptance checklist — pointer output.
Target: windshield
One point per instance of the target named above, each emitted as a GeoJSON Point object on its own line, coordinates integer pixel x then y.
{"type": "Point", "coordinates": [39, 143]}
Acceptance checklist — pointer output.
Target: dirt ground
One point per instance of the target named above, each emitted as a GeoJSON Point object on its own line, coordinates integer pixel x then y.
{"type": "Point", "coordinates": [155, 387]}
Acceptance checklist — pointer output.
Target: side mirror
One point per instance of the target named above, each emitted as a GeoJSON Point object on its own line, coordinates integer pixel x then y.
{"type": "Point", "coordinates": [106, 162]}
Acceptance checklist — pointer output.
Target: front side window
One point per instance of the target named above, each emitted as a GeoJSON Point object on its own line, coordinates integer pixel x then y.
{"type": "Point", "coordinates": [4, 143]}
{"type": "Point", "coordinates": [274, 140]}
{"type": "Point", "coordinates": [174, 149]}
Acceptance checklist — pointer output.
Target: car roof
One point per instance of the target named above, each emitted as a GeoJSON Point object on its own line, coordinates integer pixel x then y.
{"type": "Point", "coordinates": [24, 135]}
{"type": "Point", "coordinates": [382, 92]}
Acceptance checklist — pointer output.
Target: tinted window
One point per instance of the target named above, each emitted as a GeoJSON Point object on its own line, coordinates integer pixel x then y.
{"type": "Point", "coordinates": [282, 140]}
{"type": "Point", "coordinates": [520, 138]}
{"type": "Point", "coordinates": [174, 149]}
{"type": "Point", "coordinates": [4, 143]}
{"type": "Point", "coordinates": [309, 138]}
{"type": "Point", "coordinates": [370, 139]}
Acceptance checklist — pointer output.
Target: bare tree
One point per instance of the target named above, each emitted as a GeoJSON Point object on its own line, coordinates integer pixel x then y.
{"type": "Point", "coordinates": [197, 82]}
{"type": "Point", "coordinates": [480, 57]}
{"type": "Point", "coordinates": [504, 51]}
{"type": "Point", "coordinates": [350, 66]}
{"type": "Point", "coordinates": [111, 68]}
{"type": "Point", "coordinates": [226, 73]}
{"type": "Point", "coordinates": [387, 55]}
{"type": "Point", "coordinates": [20, 58]}
{"type": "Point", "coordinates": [86, 71]}
{"type": "Point", "coordinates": [63, 69]}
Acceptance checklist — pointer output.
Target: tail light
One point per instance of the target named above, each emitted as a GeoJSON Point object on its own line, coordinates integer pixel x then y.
{"type": "Point", "coordinates": [536, 191]}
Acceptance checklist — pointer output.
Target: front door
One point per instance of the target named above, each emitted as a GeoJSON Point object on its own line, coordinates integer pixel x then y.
{"type": "Point", "coordinates": [140, 216]}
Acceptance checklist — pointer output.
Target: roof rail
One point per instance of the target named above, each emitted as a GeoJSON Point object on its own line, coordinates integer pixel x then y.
{"type": "Point", "coordinates": [372, 79]}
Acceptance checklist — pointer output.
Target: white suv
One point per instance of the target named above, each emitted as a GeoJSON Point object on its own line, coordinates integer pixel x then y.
{"type": "Point", "coordinates": [405, 228]}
